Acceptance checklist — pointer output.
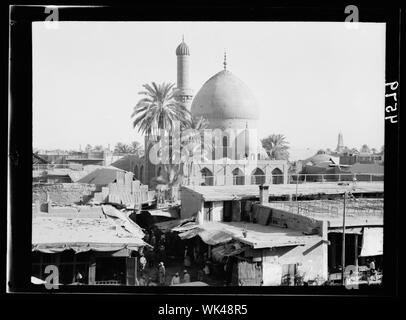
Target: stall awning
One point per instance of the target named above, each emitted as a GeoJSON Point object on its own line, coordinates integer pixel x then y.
{"type": "Point", "coordinates": [185, 227]}
{"type": "Point", "coordinates": [372, 242]}
{"type": "Point", "coordinates": [172, 225]}
{"type": "Point", "coordinates": [210, 237]}
{"type": "Point", "coordinates": [163, 213]}
{"type": "Point", "coordinates": [226, 250]}
{"type": "Point", "coordinates": [84, 247]}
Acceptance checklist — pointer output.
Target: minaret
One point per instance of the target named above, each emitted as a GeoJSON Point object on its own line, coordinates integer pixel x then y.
{"type": "Point", "coordinates": [340, 144]}
{"type": "Point", "coordinates": [183, 91]}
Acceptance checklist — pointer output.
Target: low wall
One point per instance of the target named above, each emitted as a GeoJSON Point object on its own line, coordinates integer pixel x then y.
{"type": "Point", "coordinates": [286, 219]}
{"type": "Point", "coordinates": [63, 193]}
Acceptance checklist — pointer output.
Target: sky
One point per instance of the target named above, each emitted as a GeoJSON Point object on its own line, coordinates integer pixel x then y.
{"type": "Point", "coordinates": [312, 80]}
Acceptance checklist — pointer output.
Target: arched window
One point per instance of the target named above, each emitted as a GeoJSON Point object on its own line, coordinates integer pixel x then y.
{"type": "Point", "coordinates": [257, 176]}
{"type": "Point", "coordinates": [158, 173]}
{"type": "Point", "coordinates": [208, 176]}
{"type": "Point", "coordinates": [238, 177]}
{"type": "Point", "coordinates": [277, 176]}
{"type": "Point", "coordinates": [225, 146]}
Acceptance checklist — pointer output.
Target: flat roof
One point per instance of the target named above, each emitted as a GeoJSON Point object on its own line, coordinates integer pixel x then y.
{"type": "Point", "coordinates": [69, 230]}
{"type": "Point", "coordinates": [359, 212]}
{"type": "Point", "coordinates": [221, 193]}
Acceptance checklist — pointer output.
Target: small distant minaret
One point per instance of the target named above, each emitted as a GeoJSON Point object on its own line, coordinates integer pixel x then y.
{"type": "Point", "coordinates": [340, 144]}
{"type": "Point", "coordinates": [183, 91]}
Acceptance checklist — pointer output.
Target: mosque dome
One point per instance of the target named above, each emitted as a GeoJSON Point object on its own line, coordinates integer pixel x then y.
{"type": "Point", "coordinates": [224, 96]}
{"type": "Point", "coordinates": [182, 49]}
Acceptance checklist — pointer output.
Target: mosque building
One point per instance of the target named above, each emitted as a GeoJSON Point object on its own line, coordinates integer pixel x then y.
{"type": "Point", "coordinates": [230, 108]}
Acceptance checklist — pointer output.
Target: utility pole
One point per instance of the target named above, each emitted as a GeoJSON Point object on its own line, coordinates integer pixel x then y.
{"type": "Point", "coordinates": [297, 182]}
{"type": "Point", "coordinates": [343, 242]}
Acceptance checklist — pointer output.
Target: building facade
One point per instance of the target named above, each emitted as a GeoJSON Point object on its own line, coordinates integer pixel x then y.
{"type": "Point", "coordinates": [231, 111]}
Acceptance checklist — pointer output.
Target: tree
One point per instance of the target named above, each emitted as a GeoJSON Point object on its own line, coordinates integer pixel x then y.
{"type": "Point", "coordinates": [354, 151]}
{"type": "Point", "coordinates": [88, 148]}
{"type": "Point", "coordinates": [158, 110]}
{"type": "Point", "coordinates": [98, 148]}
{"type": "Point", "coordinates": [136, 147]}
{"type": "Point", "coordinates": [383, 149]}
{"type": "Point", "coordinates": [374, 151]}
{"type": "Point", "coordinates": [276, 147]}
{"type": "Point", "coordinates": [192, 145]}
{"type": "Point", "coordinates": [365, 149]}
{"type": "Point", "coordinates": [122, 148]}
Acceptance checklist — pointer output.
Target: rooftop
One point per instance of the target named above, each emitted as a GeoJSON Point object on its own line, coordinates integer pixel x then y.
{"type": "Point", "coordinates": [359, 212]}
{"type": "Point", "coordinates": [258, 236]}
{"type": "Point", "coordinates": [101, 176]}
{"type": "Point", "coordinates": [110, 231]}
{"type": "Point", "coordinates": [221, 193]}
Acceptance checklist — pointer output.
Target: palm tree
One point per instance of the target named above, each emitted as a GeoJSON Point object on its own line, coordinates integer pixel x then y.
{"type": "Point", "coordinates": [276, 146]}
{"type": "Point", "coordinates": [170, 178]}
{"type": "Point", "coordinates": [192, 143]}
{"type": "Point", "coordinates": [136, 147]}
{"type": "Point", "coordinates": [158, 110]}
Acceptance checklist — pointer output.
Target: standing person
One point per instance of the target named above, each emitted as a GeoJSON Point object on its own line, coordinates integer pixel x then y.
{"type": "Point", "coordinates": [78, 277]}
{"type": "Point", "coordinates": [162, 253]}
{"type": "Point", "coordinates": [200, 275]}
{"type": "Point", "coordinates": [186, 276]}
{"type": "Point", "coordinates": [186, 260]}
{"type": "Point", "coordinates": [163, 239]}
{"type": "Point", "coordinates": [151, 257]}
{"type": "Point", "coordinates": [147, 237]}
{"type": "Point", "coordinates": [372, 269]}
{"type": "Point", "coordinates": [143, 262]}
{"type": "Point", "coordinates": [152, 239]}
{"type": "Point", "coordinates": [161, 273]}
{"type": "Point", "coordinates": [151, 283]}
{"type": "Point", "coordinates": [206, 269]}
{"type": "Point", "coordinates": [142, 281]}
{"type": "Point", "coordinates": [175, 279]}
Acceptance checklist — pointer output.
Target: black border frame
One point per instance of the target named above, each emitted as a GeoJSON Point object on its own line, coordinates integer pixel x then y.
{"type": "Point", "coordinates": [20, 136]}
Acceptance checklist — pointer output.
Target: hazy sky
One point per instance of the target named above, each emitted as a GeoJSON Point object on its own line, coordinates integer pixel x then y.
{"type": "Point", "coordinates": [311, 80]}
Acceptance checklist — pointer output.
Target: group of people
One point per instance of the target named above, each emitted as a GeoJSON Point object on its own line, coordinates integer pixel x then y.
{"type": "Point", "coordinates": [177, 280]}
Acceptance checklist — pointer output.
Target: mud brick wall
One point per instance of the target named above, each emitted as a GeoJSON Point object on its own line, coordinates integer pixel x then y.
{"type": "Point", "coordinates": [63, 193]}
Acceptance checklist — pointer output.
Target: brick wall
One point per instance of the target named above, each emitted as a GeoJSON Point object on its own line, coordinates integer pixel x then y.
{"type": "Point", "coordinates": [63, 193]}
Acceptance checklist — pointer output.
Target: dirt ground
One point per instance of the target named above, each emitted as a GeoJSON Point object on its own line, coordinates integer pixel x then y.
{"type": "Point", "coordinates": [174, 265]}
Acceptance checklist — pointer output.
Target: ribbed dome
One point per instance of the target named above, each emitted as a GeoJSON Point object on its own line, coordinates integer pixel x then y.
{"type": "Point", "coordinates": [224, 96]}
{"type": "Point", "coordinates": [182, 49]}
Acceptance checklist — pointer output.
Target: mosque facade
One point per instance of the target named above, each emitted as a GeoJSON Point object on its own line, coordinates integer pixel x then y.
{"type": "Point", "coordinates": [231, 111]}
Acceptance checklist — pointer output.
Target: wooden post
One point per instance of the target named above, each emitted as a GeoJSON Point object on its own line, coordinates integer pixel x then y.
{"type": "Point", "coordinates": [131, 271]}
{"type": "Point", "coordinates": [343, 243]}
{"type": "Point", "coordinates": [356, 252]}
{"type": "Point", "coordinates": [92, 271]}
